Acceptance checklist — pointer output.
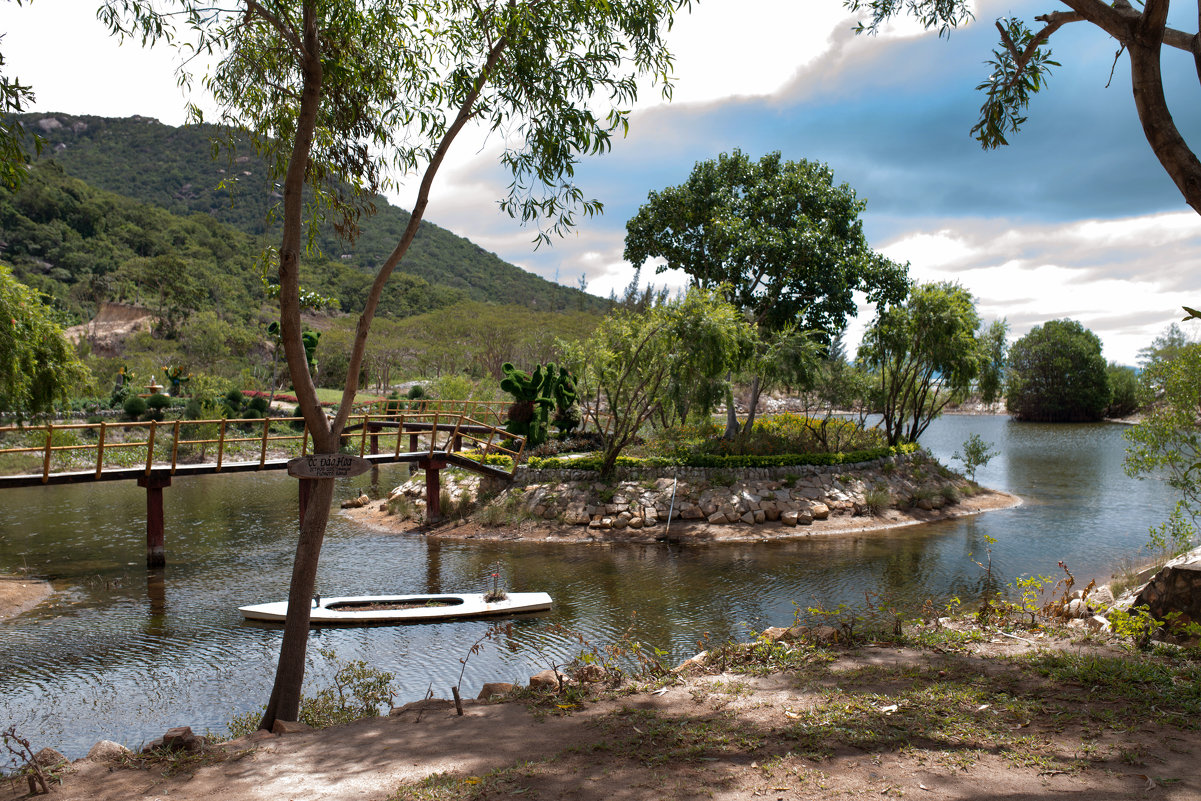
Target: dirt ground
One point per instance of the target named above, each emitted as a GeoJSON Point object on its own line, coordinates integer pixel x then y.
{"type": "Point", "coordinates": [1002, 718]}
{"type": "Point", "coordinates": [20, 594]}
{"type": "Point", "coordinates": [682, 531]}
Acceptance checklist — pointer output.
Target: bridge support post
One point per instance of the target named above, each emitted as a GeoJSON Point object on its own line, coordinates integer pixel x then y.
{"type": "Point", "coordinates": [433, 488]}
{"type": "Point", "coordinates": [156, 549]}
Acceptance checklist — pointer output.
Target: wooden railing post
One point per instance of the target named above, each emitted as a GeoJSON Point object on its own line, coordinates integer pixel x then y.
{"type": "Point", "coordinates": [100, 449]}
{"type": "Point", "coordinates": [150, 447]}
{"type": "Point", "coordinates": [46, 458]}
{"type": "Point", "coordinates": [221, 445]}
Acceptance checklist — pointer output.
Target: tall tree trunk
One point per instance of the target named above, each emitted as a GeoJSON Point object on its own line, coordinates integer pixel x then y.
{"type": "Point", "coordinates": [756, 388]}
{"type": "Point", "coordinates": [732, 427]}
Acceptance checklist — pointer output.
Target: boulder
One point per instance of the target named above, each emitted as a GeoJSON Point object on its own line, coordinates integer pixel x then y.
{"type": "Point", "coordinates": [748, 517]}
{"type": "Point", "coordinates": [789, 518]}
{"type": "Point", "coordinates": [495, 688]}
{"type": "Point", "coordinates": [107, 751]}
{"type": "Point", "coordinates": [717, 518]}
{"type": "Point", "coordinates": [546, 680]}
{"type": "Point", "coordinates": [1102, 596]}
{"type": "Point", "coordinates": [819, 511]}
{"type": "Point", "coordinates": [1173, 589]}
{"type": "Point", "coordinates": [49, 758]}
{"type": "Point", "coordinates": [424, 705]}
{"type": "Point", "coordinates": [1096, 623]}
{"type": "Point", "coordinates": [356, 503]}
{"type": "Point", "coordinates": [1076, 608]}
{"type": "Point", "coordinates": [590, 674]}
{"type": "Point", "coordinates": [692, 663]}
{"type": "Point", "coordinates": [290, 727]}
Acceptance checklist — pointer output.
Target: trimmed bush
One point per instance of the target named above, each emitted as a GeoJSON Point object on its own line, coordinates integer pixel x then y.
{"type": "Point", "coordinates": [134, 406]}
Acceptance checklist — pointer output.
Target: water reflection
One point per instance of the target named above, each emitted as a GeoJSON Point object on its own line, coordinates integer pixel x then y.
{"type": "Point", "coordinates": [113, 657]}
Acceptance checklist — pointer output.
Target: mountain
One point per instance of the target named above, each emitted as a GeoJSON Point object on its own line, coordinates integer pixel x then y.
{"type": "Point", "coordinates": [181, 171]}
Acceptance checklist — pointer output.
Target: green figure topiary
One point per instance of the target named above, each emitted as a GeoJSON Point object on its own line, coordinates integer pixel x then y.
{"type": "Point", "coordinates": [534, 397]}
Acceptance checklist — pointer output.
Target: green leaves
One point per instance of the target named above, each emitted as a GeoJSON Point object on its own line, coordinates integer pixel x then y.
{"type": "Point", "coordinates": [1019, 69]}
{"type": "Point", "coordinates": [780, 238]}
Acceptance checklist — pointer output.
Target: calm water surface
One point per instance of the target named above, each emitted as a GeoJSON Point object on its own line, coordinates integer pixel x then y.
{"type": "Point", "coordinates": [122, 654]}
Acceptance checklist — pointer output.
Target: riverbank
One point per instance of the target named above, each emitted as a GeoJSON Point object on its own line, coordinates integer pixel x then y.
{"type": "Point", "coordinates": [940, 712]}
{"type": "Point", "coordinates": [20, 594]}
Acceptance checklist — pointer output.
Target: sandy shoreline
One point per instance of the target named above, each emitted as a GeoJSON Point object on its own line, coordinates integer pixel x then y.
{"type": "Point", "coordinates": [20, 594]}
{"type": "Point", "coordinates": [682, 531]}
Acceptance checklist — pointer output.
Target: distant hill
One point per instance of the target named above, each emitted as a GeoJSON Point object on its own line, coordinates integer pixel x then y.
{"type": "Point", "coordinates": [174, 169]}
{"type": "Point", "coordinates": [82, 245]}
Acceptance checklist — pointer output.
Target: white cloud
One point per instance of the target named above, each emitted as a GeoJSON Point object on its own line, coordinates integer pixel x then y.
{"type": "Point", "coordinates": [1125, 279]}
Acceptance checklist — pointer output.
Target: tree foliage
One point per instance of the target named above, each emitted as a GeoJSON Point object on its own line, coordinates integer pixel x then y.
{"type": "Point", "coordinates": [38, 366]}
{"type": "Point", "coordinates": [1020, 67]}
{"type": "Point", "coordinates": [1057, 375]}
{"type": "Point", "coordinates": [1124, 391]}
{"type": "Point", "coordinates": [781, 241]}
{"type": "Point", "coordinates": [333, 96]}
{"type": "Point", "coordinates": [925, 353]}
{"type": "Point", "coordinates": [632, 365]}
{"type": "Point", "coordinates": [1167, 441]}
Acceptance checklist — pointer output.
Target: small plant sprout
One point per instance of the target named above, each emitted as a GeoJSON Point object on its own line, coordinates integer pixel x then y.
{"type": "Point", "coordinates": [986, 566]}
{"type": "Point", "coordinates": [1174, 536]}
{"type": "Point", "coordinates": [494, 632]}
{"type": "Point", "coordinates": [976, 454]}
{"type": "Point", "coordinates": [496, 593]}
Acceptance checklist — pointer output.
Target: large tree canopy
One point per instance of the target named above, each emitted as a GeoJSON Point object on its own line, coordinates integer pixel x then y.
{"type": "Point", "coordinates": [782, 241]}
{"type": "Point", "coordinates": [781, 237]}
{"type": "Point", "coordinates": [340, 96]}
{"type": "Point", "coordinates": [1022, 64]}
{"type": "Point", "coordinates": [1057, 375]}
{"type": "Point", "coordinates": [38, 366]}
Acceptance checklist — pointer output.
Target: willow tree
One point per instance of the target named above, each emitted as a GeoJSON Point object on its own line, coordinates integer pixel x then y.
{"type": "Point", "coordinates": [38, 366]}
{"type": "Point", "coordinates": [344, 98]}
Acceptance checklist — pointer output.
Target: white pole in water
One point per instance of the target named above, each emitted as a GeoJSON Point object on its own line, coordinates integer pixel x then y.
{"type": "Point", "coordinates": [675, 482]}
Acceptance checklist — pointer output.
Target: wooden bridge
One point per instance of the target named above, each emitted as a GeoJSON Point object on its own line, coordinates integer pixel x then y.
{"type": "Point", "coordinates": [154, 452]}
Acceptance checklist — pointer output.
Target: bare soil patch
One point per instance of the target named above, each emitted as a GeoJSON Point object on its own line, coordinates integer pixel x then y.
{"type": "Point", "coordinates": [20, 594]}
{"type": "Point", "coordinates": [1055, 719]}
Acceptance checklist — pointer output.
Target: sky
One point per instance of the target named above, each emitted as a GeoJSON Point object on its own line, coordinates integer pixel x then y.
{"type": "Point", "coordinates": [1074, 219]}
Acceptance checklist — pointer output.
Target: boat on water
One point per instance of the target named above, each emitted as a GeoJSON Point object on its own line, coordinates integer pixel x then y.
{"type": "Point", "coordinates": [363, 610]}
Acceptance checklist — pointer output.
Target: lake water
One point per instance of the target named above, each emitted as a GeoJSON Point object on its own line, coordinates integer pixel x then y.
{"type": "Point", "coordinates": [124, 654]}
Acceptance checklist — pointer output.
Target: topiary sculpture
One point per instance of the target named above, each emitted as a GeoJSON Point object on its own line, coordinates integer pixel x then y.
{"type": "Point", "coordinates": [535, 396]}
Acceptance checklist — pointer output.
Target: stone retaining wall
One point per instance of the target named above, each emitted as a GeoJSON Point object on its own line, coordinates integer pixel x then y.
{"type": "Point", "coordinates": [645, 497]}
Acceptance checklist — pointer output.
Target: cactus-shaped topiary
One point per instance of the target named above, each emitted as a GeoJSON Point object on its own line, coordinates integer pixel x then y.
{"type": "Point", "coordinates": [535, 395]}
{"type": "Point", "coordinates": [567, 417]}
{"type": "Point", "coordinates": [530, 411]}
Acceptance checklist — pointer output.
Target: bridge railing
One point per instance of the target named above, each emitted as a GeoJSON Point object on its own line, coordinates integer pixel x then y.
{"type": "Point", "coordinates": [157, 445]}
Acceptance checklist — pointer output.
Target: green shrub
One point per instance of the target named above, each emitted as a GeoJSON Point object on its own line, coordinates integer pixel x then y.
{"type": "Point", "coordinates": [358, 692]}
{"type": "Point", "coordinates": [134, 406]}
{"type": "Point", "coordinates": [259, 404]}
{"type": "Point", "coordinates": [877, 499]}
{"type": "Point", "coordinates": [158, 401]}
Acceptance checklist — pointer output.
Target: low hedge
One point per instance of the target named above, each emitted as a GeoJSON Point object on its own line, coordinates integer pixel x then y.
{"type": "Point", "coordinates": [728, 462]}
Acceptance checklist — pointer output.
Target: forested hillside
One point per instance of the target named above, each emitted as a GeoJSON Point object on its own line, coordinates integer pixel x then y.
{"type": "Point", "coordinates": [180, 170]}
{"type": "Point", "coordinates": [81, 245]}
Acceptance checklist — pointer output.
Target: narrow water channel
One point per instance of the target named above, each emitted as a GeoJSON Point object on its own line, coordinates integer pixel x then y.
{"type": "Point", "coordinates": [123, 654]}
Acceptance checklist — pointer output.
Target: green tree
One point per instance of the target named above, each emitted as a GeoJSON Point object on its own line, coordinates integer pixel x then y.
{"type": "Point", "coordinates": [1057, 375]}
{"type": "Point", "coordinates": [992, 368]}
{"type": "Point", "coordinates": [38, 366]}
{"type": "Point", "coordinates": [335, 95]}
{"type": "Point", "coordinates": [625, 369]}
{"type": "Point", "coordinates": [1022, 64]}
{"type": "Point", "coordinates": [1124, 391]}
{"type": "Point", "coordinates": [782, 241]}
{"type": "Point", "coordinates": [925, 353]}
{"type": "Point", "coordinates": [1167, 441]}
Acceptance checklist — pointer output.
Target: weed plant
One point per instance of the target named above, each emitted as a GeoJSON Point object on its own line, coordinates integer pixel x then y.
{"type": "Point", "coordinates": [358, 691]}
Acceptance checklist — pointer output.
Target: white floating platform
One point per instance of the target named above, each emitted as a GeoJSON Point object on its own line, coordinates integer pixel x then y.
{"type": "Point", "coordinates": [376, 609]}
